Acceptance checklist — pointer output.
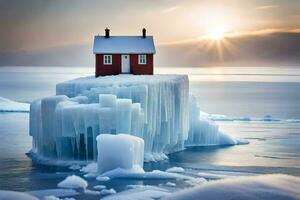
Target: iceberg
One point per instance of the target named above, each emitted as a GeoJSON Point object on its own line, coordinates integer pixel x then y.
{"type": "Point", "coordinates": [7, 105]}
{"type": "Point", "coordinates": [155, 108]}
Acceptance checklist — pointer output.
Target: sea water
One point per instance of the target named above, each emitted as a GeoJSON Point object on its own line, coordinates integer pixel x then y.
{"type": "Point", "coordinates": [244, 92]}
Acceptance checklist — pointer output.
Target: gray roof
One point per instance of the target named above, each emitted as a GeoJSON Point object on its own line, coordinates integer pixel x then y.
{"type": "Point", "coordinates": [123, 44]}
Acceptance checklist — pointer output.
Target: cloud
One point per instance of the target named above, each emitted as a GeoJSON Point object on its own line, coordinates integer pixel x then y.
{"type": "Point", "coordinates": [267, 7]}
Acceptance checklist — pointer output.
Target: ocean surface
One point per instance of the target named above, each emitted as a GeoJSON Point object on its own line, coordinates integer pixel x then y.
{"type": "Point", "coordinates": [236, 93]}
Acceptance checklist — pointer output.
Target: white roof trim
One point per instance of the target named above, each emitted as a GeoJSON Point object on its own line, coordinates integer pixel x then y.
{"type": "Point", "coordinates": [123, 45]}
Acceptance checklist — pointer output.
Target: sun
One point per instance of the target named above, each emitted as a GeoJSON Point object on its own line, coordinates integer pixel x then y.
{"type": "Point", "coordinates": [216, 34]}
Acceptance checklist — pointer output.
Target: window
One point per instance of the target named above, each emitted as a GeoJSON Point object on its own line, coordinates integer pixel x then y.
{"type": "Point", "coordinates": [107, 59]}
{"type": "Point", "coordinates": [142, 59]}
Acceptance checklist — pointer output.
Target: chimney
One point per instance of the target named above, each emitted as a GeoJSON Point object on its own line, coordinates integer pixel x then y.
{"type": "Point", "coordinates": [107, 33]}
{"type": "Point", "coordinates": [144, 33]}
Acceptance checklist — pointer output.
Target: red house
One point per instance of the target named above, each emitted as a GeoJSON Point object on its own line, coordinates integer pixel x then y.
{"type": "Point", "coordinates": [123, 54]}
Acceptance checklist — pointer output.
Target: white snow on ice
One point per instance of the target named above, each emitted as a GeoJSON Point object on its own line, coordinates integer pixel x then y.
{"type": "Point", "coordinates": [140, 193]}
{"type": "Point", "coordinates": [7, 105]}
{"type": "Point", "coordinates": [264, 187]}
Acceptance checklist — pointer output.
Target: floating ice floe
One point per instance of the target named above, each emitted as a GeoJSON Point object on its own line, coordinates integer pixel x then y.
{"type": "Point", "coordinates": [155, 108]}
{"type": "Point", "coordinates": [99, 187]}
{"type": "Point", "coordinates": [73, 182]}
{"type": "Point", "coordinates": [102, 178]}
{"type": "Point", "coordinates": [170, 184]}
{"type": "Point", "coordinates": [90, 168]}
{"type": "Point", "coordinates": [7, 105]}
{"type": "Point", "coordinates": [91, 192]}
{"type": "Point", "coordinates": [175, 169]}
{"type": "Point", "coordinates": [105, 192]}
{"type": "Point", "coordinates": [53, 192]}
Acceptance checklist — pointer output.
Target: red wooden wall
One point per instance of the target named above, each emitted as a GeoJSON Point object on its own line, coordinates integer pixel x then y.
{"type": "Point", "coordinates": [113, 69]}
{"type": "Point", "coordinates": [137, 69]}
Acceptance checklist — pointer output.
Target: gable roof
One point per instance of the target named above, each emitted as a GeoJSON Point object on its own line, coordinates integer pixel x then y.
{"type": "Point", "coordinates": [123, 44]}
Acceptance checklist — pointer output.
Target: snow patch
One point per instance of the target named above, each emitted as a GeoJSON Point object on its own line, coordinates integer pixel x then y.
{"type": "Point", "coordinates": [262, 187]}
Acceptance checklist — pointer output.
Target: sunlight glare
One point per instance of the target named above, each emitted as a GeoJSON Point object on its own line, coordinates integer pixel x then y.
{"type": "Point", "coordinates": [216, 34]}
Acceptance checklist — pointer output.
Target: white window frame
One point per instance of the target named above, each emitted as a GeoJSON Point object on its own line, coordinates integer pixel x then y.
{"type": "Point", "coordinates": [142, 59]}
{"type": "Point", "coordinates": [107, 59]}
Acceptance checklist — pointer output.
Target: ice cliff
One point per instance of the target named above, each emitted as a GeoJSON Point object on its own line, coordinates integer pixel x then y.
{"type": "Point", "coordinates": [155, 108]}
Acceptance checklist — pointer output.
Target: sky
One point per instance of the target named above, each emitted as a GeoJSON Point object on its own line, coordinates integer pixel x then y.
{"type": "Point", "coordinates": [39, 24]}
